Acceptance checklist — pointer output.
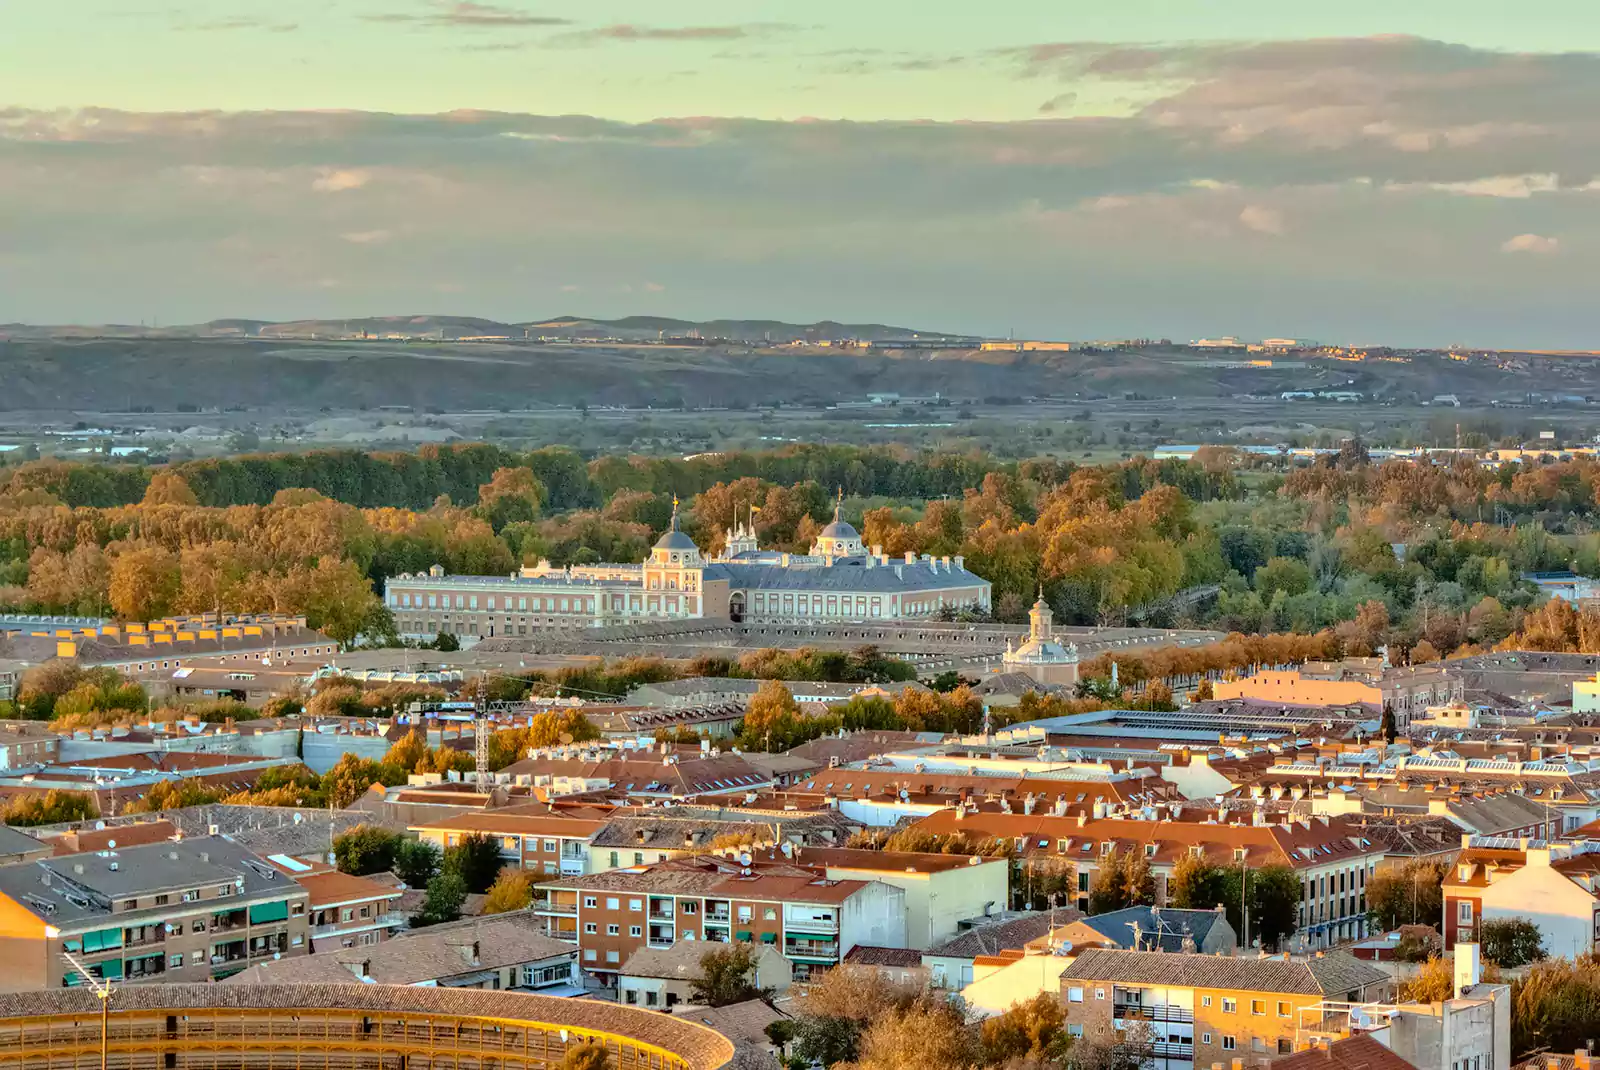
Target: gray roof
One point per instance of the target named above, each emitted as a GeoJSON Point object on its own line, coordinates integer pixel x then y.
{"type": "Point", "coordinates": [56, 889]}
{"type": "Point", "coordinates": [1334, 974]}
{"type": "Point", "coordinates": [1167, 927]}
{"type": "Point", "coordinates": [849, 574]}
{"type": "Point", "coordinates": [1004, 935]}
{"type": "Point", "coordinates": [839, 529]}
{"type": "Point", "coordinates": [675, 540]}
{"type": "Point", "coordinates": [430, 954]}
{"type": "Point", "coordinates": [670, 832]}
{"type": "Point", "coordinates": [13, 842]}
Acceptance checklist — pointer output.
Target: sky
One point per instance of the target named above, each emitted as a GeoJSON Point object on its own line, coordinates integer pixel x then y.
{"type": "Point", "coordinates": [1359, 172]}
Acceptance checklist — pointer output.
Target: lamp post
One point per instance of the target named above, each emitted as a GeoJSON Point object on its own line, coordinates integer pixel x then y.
{"type": "Point", "coordinates": [101, 990]}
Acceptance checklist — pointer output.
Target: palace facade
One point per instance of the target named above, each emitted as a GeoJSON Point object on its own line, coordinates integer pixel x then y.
{"type": "Point", "coordinates": [840, 580]}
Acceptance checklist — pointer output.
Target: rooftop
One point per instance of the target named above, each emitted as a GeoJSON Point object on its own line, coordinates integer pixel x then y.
{"type": "Point", "coordinates": [1334, 975]}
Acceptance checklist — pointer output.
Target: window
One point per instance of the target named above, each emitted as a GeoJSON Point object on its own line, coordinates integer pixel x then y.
{"type": "Point", "coordinates": [1099, 993]}
{"type": "Point", "coordinates": [1074, 1030]}
{"type": "Point", "coordinates": [196, 957]}
{"type": "Point", "coordinates": [638, 858]}
{"type": "Point", "coordinates": [197, 926]}
{"type": "Point", "coordinates": [650, 999]}
{"type": "Point", "coordinates": [176, 961]}
{"type": "Point", "coordinates": [613, 903]}
{"type": "Point", "coordinates": [588, 954]}
{"type": "Point", "coordinates": [590, 928]}
{"type": "Point", "coordinates": [1258, 1006]}
{"type": "Point", "coordinates": [130, 904]}
{"type": "Point", "coordinates": [1283, 1008]}
{"type": "Point", "coordinates": [1258, 1045]}
{"type": "Point", "coordinates": [744, 913]}
{"type": "Point", "coordinates": [636, 905]}
{"type": "Point", "coordinates": [1205, 1001]}
{"type": "Point", "coordinates": [1074, 995]}
{"type": "Point", "coordinates": [1229, 1005]}
{"type": "Point", "coordinates": [1285, 1046]}
{"type": "Point", "coordinates": [1464, 912]}
{"type": "Point", "coordinates": [613, 956]}
{"type": "Point", "coordinates": [162, 900]}
{"type": "Point", "coordinates": [690, 907]}
{"type": "Point", "coordinates": [346, 914]}
{"type": "Point", "coordinates": [635, 930]}
{"type": "Point", "coordinates": [614, 862]}
{"type": "Point", "coordinates": [1205, 1038]}
{"type": "Point", "coordinates": [549, 847]}
{"type": "Point", "coordinates": [770, 914]}
{"type": "Point", "coordinates": [1228, 1043]}
{"type": "Point", "coordinates": [590, 902]}
{"type": "Point", "coordinates": [613, 930]}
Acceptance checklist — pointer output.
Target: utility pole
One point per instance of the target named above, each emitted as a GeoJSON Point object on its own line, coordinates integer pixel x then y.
{"type": "Point", "coordinates": [103, 991]}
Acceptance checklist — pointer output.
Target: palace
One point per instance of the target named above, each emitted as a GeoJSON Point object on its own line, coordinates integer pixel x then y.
{"type": "Point", "coordinates": [840, 580]}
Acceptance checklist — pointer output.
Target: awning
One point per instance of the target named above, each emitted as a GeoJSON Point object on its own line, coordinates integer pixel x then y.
{"type": "Point", "coordinates": [769, 938]}
{"type": "Point", "coordinates": [742, 934]}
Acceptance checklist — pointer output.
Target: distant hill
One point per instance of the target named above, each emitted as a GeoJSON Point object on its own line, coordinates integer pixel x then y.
{"type": "Point", "coordinates": [450, 328]}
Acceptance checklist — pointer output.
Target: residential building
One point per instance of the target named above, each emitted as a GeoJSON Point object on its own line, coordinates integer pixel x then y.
{"type": "Point", "coordinates": [1586, 695]}
{"type": "Point", "coordinates": [954, 964]}
{"type": "Point", "coordinates": [345, 910]}
{"type": "Point", "coordinates": [668, 772]}
{"type": "Point", "coordinates": [1330, 855]}
{"type": "Point", "coordinates": [1554, 885]}
{"type": "Point", "coordinates": [812, 920]}
{"type": "Point", "coordinates": [662, 978]}
{"type": "Point", "coordinates": [531, 837]}
{"type": "Point", "coordinates": [497, 952]}
{"type": "Point", "coordinates": [940, 889]}
{"type": "Point", "coordinates": [156, 648]}
{"type": "Point", "coordinates": [1407, 691]}
{"type": "Point", "coordinates": [714, 691]}
{"type": "Point", "coordinates": [1154, 929]}
{"type": "Point", "coordinates": [26, 744]}
{"type": "Point", "coordinates": [195, 910]}
{"type": "Point", "coordinates": [896, 965]}
{"type": "Point", "coordinates": [117, 781]}
{"type": "Point", "coordinates": [1208, 1008]}
{"type": "Point", "coordinates": [838, 581]}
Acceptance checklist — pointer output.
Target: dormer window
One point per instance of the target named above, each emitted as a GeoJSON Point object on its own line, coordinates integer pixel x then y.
{"type": "Point", "coordinates": [1464, 871]}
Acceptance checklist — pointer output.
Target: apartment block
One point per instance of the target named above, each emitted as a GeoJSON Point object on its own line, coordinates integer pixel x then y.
{"type": "Point", "coordinates": [1203, 1009]}
{"type": "Point", "coordinates": [812, 920]}
{"type": "Point", "coordinates": [186, 911]}
{"type": "Point", "coordinates": [346, 911]}
{"type": "Point", "coordinates": [1554, 885]}
{"type": "Point", "coordinates": [530, 837]}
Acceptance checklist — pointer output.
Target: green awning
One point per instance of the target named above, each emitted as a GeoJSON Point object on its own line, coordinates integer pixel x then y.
{"type": "Point", "coordinates": [263, 912]}
{"type": "Point", "coordinates": [813, 958]}
{"type": "Point", "coordinates": [815, 938]}
{"type": "Point", "coordinates": [742, 934]}
{"type": "Point", "coordinates": [769, 938]}
{"type": "Point", "coordinates": [102, 939]}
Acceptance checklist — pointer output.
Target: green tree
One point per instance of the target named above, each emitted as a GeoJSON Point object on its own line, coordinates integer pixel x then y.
{"type": "Point", "coordinates": [417, 862]}
{"type": "Point", "coordinates": [1197, 884]}
{"type": "Point", "coordinates": [1107, 889]}
{"type": "Point", "coordinates": [1138, 883]}
{"type": "Point", "coordinates": [1411, 894]}
{"type": "Point", "coordinates": [727, 975]}
{"type": "Point", "coordinates": [1511, 942]}
{"type": "Point", "coordinates": [476, 860]}
{"type": "Point", "coordinates": [1275, 894]}
{"type": "Point", "coordinates": [52, 808]}
{"type": "Point", "coordinates": [446, 894]}
{"type": "Point", "coordinates": [365, 849]}
{"type": "Point", "coordinates": [512, 890]}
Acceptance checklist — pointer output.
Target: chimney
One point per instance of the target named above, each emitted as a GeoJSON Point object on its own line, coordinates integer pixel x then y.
{"type": "Point", "coordinates": [640, 835]}
{"type": "Point", "coordinates": [1469, 968]}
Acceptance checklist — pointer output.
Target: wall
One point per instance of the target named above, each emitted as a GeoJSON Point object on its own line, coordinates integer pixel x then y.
{"type": "Point", "coordinates": [1564, 912]}
{"type": "Point", "coordinates": [875, 916]}
{"type": "Point", "coordinates": [935, 902]}
{"type": "Point", "coordinates": [1289, 686]}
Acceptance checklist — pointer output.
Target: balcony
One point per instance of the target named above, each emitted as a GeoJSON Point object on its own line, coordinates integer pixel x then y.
{"type": "Point", "coordinates": [566, 910]}
{"type": "Point", "coordinates": [662, 915]}
{"type": "Point", "coordinates": [572, 867]}
{"type": "Point", "coordinates": [821, 951]}
{"type": "Point", "coordinates": [811, 925]}
{"type": "Point", "coordinates": [1138, 1012]}
{"type": "Point", "coordinates": [718, 918]}
{"type": "Point", "coordinates": [379, 921]}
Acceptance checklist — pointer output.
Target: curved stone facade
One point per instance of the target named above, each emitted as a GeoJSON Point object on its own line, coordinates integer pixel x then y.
{"type": "Point", "coordinates": [337, 1027]}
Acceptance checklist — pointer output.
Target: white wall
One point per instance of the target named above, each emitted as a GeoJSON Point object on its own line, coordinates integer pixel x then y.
{"type": "Point", "coordinates": [935, 902]}
{"type": "Point", "coordinates": [1564, 912]}
{"type": "Point", "coordinates": [875, 916]}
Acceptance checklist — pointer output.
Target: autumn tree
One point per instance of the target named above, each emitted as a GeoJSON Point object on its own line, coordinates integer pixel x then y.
{"type": "Point", "coordinates": [727, 975]}
{"type": "Point", "coordinates": [1412, 893]}
{"type": "Point", "coordinates": [168, 488]}
{"type": "Point", "coordinates": [1034, 1028]}
{"type": "Point", "coordinates": [586, 1055]}
{"type": "Point", "coordinates": [511, 890]}
{"type": "Point", "coordinates": [512, 494]}
{"type": "Point", "coordinates": [772, 720]}
{"type": "Point", "coordinates": [1197, 884]}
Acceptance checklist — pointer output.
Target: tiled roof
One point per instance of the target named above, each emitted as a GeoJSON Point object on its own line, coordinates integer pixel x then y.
{"type": "Point", "coordinates": [1332, 975]}
{"type": "Point", "coordinates": [706, 875]}
{"type": "Point", "coordinates": [675, 833]}
{"type": "Point", "coordinates": [743, 1023]}
{"type": "Point", "coordinates": [330, 888]}
{"type": "Point", "coordinates": [1005, 935]}
{"type": "Point", "coordinates": [1168, 926]}
{"type": "Point", "coordinates": [129, 835]}
{"type": "Point", "coordinates": [434, 953]}
{"type": "Point", "coordinates": [679, 962]}
{"type": "Point", "coordinates": [887, 861]}
{"type": "Point", "coordinates": [686, 776]}
{"type": "Point", "coordinates": [701, 1046]}
{"type": "Point", "coordinates": [906, 958]}
{"type": "Point", "coordinates": [1359, 1052]}
{"type": "Point", "coordinates": [509, 821]}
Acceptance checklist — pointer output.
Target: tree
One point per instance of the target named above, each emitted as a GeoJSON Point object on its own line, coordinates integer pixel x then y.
{"type": "Point", "coordinates": [727, 975]}
{"type": "Point", "coordinates": [1028, 1028]}
{"type": "Point", "coordinates": [1107, 890]}
{"type": "Point", "coordinates": [417, 862]}
{"type": "Point", "coordinates": [446, 894]}
{"type": "Point", "coordinates": [52, 808]}
{"type": "Point", "coordinates": [1412, 894]}
{"type": "Point", "coordinates": [337, 598]}
{"type": "Point", "coordinates": [476, 860]}
{"type": "Point", "coordinates": [1418, 943]}
{"type": "Point", "coordinates": [837, 1008]}
{"type": "Point", "coordinates": [929, 1035]}
{"type": "Point", "coordinates": [1133, 1049]}
{"type": "Point", "coordinates": [446, 642]}
{"type": "Point", "coordinates": [1387, 728]}
{"type": "Point", "coordinates": [1511, 942]}
{"type": "Point", "coordinates": [512, 890]}
{"type": "Point", "coordinates": [586, 1055]}
{"type": "Point", "coordinates": [1554, 1005]}
{"type": "Point", "coordinates": [144, 583]}
{"type": "Point", "coordinates": [1275, 894]}
{"type": "Point", "coordinates": [1138, 883]}
{"type": "Point", "coordinates": [173, 795]}
{"type": "Point", "coordinates": [1434, 982]}
{"type": "Point", "coordinates": [1203, 691]}
{"type": "Point", "coordinates": [1197, 884]}
{"type": "Point", "coordinates": [365, 849]}
{"type": "Point", "coordinates": [511, 495]}
{"type": "Point", "coordinates": [169, 488]}
{"type": "Point", "coordinates": [772, 720]}
{"type": "Point", "coordinates": [409, 751]}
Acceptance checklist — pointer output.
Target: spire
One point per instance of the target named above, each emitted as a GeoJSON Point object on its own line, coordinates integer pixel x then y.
{"type": "Point", "coordinates": [674, 526]}
{"type": "Point", "coordinates": [838, 504]}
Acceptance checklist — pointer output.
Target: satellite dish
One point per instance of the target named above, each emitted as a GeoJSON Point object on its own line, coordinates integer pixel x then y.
{"type": "Point", "coordinates": [744, 858]}
{"type": "Point", "coordinates": [298, 817]}
{"type": "Point", "coordinates": [566, 737]}
{"type": "Point", "coordinates": [111, 844]}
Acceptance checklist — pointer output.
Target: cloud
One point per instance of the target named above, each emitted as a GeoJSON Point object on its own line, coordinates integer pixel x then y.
{"type": "Point", "coordinates": [624, 31]}
{"type": "Point", "coordinates": [240, 22]}
{"type": "Point", "coordinates": [1057, 103]}
{"type": "Point", "coordinates": [654, 287]}
{"type": "Point", "coordinates": [1530, 243]}
{"type": "Point", "coordinates": [337, 180]}
{"type": "Point", "coordinates": [1386, 160]}
{"type": "Point", "coordinates": [469, 15]}
{"type": "Point", "coordinates": [1261, 219]}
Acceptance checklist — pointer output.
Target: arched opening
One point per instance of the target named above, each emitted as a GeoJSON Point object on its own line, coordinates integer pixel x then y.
{"type": "Point", "coordinates": [736, 608]}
